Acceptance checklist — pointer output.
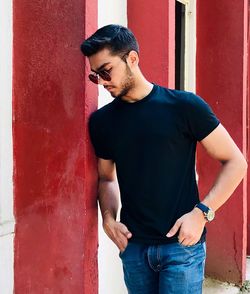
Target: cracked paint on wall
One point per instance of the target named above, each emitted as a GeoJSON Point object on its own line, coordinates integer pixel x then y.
{"type": "Point", "coordinates": [54, 164]}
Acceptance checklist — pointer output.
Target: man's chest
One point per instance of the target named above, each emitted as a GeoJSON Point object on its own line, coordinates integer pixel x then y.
{"type": "Point", "coordinates": [150, 127]}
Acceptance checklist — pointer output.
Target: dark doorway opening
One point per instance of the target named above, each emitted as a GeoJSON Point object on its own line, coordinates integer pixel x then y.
{"type": "Point", "coordinates": [179, 45]}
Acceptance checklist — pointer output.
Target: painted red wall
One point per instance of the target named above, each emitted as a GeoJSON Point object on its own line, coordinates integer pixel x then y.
{"type": "Point", "coordinates": [54, 166]}
{"type": "Point", "coordinates": [221, 80]}
{"type": "Point", "coordinates": [153, 25]}
{"type": "Point", "coordinates": [248, 135]}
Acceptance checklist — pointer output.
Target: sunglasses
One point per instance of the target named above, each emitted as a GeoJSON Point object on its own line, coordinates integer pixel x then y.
{"type": "Point", "coordinates": [102, 74]}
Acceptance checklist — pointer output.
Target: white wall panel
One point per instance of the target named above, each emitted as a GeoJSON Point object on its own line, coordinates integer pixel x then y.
{"type": "Point", "coordinates": [110, 267]}
{"type": "Point", "coordinates": [6, 150]}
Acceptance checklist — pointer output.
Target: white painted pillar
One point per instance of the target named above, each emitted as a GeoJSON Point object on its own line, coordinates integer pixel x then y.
{"type": "Point", "coordinates": [6, 152]}
{"type": "Point", "coordinates": [110, 267]}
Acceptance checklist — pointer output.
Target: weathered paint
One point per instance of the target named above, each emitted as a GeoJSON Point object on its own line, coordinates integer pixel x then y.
{"type": "Point", "coordinates": [7, 223]}
{"type": "Point", "coordinates": [154, 26]}
{"type": "Point", "coordinates": [221, 81]}
{"type": "Point", "coordinates": [54, 165]}
{"type": "Point", "coordinates": [248, 133]}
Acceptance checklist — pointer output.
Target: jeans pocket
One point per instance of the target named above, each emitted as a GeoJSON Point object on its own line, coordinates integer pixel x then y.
{"type": "Point", "coordinates": [194, 245]}
{"type": "Point", "coordinates": [121, 253]}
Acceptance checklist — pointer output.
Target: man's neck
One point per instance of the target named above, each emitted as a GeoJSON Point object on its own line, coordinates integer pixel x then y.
{"type": "Point", "coordinates": [141, 89]}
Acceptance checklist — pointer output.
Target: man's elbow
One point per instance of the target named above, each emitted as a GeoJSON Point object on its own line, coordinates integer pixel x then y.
{"type": "Point", "coordinates": [242, 165]}
{"type": "Point", "coordinates": [237, 162]}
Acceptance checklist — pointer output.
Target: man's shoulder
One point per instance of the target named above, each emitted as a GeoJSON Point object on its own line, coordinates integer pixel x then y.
{"type": "Point", "coordinates": [102, 114]}
{"type": "Point", "coordinates": [178, 96]}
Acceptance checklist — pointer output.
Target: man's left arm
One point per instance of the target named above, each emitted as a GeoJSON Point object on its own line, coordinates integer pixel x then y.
{"type": "Point", "coordinates": [219, 145]}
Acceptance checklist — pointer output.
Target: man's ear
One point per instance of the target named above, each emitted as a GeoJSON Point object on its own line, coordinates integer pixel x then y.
{"type": "Point", "coordinates": [133, 58]}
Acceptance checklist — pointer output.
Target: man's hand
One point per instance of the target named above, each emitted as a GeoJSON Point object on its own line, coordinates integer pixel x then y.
{"type": "Point", "coordinates": [117, 232]}
{"type": "Point", "coordinates": [190, 227]}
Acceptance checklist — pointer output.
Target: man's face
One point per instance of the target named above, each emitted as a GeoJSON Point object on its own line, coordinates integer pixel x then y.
{"type": "Point", "coordinates": [122, 79]}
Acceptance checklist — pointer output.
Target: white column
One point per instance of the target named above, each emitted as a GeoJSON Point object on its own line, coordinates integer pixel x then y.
{"type": "Point", "coordinates": [110, 267]}
{"type": "Point", "coordinates": [110, 12]}
{"type": "Point", "coordinates": [190, 50]}
{"type": "Point", "coordinates": [6, 151]}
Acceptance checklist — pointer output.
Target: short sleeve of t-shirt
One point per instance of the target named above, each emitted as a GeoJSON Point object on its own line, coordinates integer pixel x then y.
{"type": "Point", "coordinates": [98, 139]}
{"type": "Point", "coordinates": [201, 119]}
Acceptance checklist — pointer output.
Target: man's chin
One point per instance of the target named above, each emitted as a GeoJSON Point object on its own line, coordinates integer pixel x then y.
{"type": "Point", "coordinates": [113, 94]}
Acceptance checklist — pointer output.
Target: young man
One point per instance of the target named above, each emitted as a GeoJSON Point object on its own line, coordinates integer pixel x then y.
{"type": "Point", "coordinates": [147, 137]}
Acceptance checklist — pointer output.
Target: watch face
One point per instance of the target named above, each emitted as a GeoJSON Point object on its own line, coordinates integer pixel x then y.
{"type": "Point", "coordinates": [210, 215]}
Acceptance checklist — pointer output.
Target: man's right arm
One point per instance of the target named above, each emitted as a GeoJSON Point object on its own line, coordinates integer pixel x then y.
{"type": "Point", "coordinates": [108, 192]}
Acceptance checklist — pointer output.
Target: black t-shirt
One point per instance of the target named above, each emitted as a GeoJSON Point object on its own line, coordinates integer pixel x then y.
{"type": "Point", "coordinates": [153, 144]}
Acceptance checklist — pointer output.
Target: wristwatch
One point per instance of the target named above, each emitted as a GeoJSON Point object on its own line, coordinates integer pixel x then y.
{"type": "Point", "coordinates": [209, 214]}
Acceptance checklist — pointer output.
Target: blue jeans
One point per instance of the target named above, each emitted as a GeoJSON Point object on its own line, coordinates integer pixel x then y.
{"type": "Point", "coordinates": [164, 269]}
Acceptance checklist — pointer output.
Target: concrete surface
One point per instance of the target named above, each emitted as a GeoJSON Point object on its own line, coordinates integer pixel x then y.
{"type": "Point", "coordinates": [216, 287]}
{"type": "Point", "coordinates": [248, 269]}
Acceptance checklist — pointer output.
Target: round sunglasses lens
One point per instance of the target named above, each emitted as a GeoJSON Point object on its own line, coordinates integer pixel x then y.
{"type": "Point", "coordinates": [105, 76]}
{"type": "Point", "coordinates": [93, 78]}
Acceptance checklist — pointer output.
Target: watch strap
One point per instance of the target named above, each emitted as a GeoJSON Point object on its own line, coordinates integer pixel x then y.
{"type": "Point", "coordinates": [202, 207]}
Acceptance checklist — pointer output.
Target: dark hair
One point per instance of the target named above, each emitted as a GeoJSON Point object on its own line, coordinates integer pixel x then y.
{"type": "Point", "coordinates": [118, 39]}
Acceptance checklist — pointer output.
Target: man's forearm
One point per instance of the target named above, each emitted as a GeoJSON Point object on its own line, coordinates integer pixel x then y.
{"type": "Point", "coordinates": [109, 203]}
{"type": "Point", "coordinates": [108, 198]}
{"type": "Point", "coordinates": [231, 174]}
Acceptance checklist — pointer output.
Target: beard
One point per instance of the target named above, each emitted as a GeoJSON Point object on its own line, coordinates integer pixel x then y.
{"type": "Point", "coordinates": [127, 85]}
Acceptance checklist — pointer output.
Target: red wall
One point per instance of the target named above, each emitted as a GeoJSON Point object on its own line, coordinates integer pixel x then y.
{"type": "Point", "coordinates": [54, 166]}
{"type": "Point", "coordinates": [153, 25]}
{"type": "Point", "coordinates": [248, 135]}
{"type": "Point", "coordinates": [221, 80]}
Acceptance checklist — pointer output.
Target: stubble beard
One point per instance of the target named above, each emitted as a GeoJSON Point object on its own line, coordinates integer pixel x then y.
{"type": "Point", "coordinates": [127, 85]}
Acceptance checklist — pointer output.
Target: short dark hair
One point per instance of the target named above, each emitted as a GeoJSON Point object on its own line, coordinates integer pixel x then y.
{"type": "Point", "coordinates": [118, 39]}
